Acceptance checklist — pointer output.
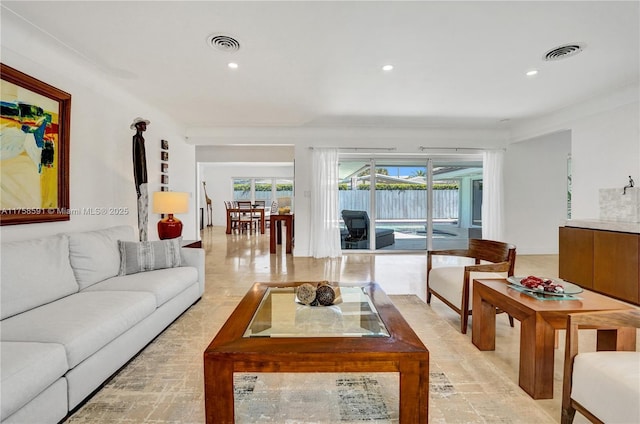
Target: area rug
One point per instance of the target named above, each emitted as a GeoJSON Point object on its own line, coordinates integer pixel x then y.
{"type": "Point", "coordinates": [164, 384]}
{"type": "Point", "coordinates": [322, 397]}
{"type": "Point", "coordinates": [316, 398]}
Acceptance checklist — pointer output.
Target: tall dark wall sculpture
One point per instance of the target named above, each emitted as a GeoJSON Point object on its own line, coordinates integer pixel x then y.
{"type": "Point", "coordinates": [140, 175]}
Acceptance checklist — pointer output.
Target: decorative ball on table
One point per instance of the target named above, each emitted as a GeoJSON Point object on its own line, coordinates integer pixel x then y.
{"type": "Point", "coordinates": [306, 293]}
{"type": "Point", "coordinates": [325, 295]}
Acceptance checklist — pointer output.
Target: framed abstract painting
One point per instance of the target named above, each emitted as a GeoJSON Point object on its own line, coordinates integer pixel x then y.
{"type": "Point", "coordinates": [34, 150]}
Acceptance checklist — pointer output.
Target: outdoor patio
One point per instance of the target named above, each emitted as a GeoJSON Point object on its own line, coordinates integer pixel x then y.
{"type": "Point", "coordinates": [412, 235]}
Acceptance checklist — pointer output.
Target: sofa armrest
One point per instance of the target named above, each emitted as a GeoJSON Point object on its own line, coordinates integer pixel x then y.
{"type": "Point", "coordinates": [194, 257]}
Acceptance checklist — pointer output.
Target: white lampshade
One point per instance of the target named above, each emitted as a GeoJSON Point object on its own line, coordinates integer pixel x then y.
{"type": "Point", "coordinates": [170, 202]}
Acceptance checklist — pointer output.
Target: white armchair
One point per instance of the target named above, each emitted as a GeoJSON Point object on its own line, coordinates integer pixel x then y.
{"type": "Point", "coordinates": [452, 285]}
{"type": "Point", "coordinates": [604, 386]}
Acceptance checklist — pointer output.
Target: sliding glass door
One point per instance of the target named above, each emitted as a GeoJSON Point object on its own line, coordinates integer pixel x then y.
{"type": "Point", "coordinates": [409, 204]}
{"type": "Point", "coordinates": [354, 203]}
{"type": "Point", "coordinates": [401, 205]}
{"type": "Point", "coordinates": [457, 202]}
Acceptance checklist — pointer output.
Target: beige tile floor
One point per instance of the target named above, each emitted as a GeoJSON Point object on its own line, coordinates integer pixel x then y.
{"type": "Point", "coordinates": [164, 384]}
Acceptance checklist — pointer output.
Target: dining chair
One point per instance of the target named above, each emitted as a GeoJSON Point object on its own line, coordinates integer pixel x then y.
{"type": "Point", "coordinates": [233, 216]}
{"type": "Point", "coordinates": [262, 204]}
{"type": "Point", "coordinates": [259, 204]}
{"type": "Point", "coordinates": [604, 386]}
{"type": "Point", "coordinates": [272, 210]}
{"type": "Point", "coordinates": [452, 284]}
{"type": "Point", "coordinates": [246, 217]}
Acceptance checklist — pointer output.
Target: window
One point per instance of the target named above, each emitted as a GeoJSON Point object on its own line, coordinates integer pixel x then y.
{"type": "Point", "coordinates": [267, 189]}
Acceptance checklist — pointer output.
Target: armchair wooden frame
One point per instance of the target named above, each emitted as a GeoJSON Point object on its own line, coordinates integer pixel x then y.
{"type": "Point", "coordinates": [501, 257]}
{"type": "Point", "coordinates": [620, 329]}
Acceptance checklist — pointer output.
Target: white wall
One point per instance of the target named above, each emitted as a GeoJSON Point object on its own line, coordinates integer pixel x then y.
{"type": "Point", "coordinates": [101, 170]}
{"type": "Point", "coordinates": [605, 144]}
{"type": "Point", "coordinates": [536, 192]}
{"type": "Point", "coordinates": [605, 150]}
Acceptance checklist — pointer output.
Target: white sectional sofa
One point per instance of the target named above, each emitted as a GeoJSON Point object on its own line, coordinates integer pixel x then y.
{"type": "Point", "coordinates": [76, 307]}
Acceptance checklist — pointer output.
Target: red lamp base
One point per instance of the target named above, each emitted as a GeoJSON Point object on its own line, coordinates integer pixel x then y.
{"type": "Point", "coordinates": [169, 228]}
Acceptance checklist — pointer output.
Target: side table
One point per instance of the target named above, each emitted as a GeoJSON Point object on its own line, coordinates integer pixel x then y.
{"type": "Point", "coordinates": [275, 222]}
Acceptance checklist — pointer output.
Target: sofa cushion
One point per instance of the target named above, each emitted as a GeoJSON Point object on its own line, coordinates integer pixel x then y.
{"type": "Point", "coordinates": [165, 284]}
{"type": "Point", "coordinates": [148, 255]}
{"type": "Point", "coordinates": [34, 272]}
{"type": "Point", "coordinates": [608, 385]}
{"type": "Point", "coordinates": [83, 322]}
{"type": "Point", "coordinates": [95, 256]}
{"type": "Point", "coordinates": [447, 281]}
{"type": "Point", "coordinates": [27, 370]}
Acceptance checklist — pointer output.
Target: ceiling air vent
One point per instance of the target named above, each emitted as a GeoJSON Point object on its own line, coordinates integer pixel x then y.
{"type": "Point", "coordinates": [563, 52]}
{"type": "Point", "coordinates": [223, 43]}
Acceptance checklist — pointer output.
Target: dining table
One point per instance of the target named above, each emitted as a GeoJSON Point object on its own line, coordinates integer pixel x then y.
{"type": "Point", "coordinates": [254, 209]}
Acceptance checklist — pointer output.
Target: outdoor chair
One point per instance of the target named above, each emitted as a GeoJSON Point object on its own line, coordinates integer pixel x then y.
{"type": "Point", "coordinates": [357, 223]}
{"type": "Point", "coordinates": [452, 284]}
{"type": "Point", "coordinates": [602, 386]}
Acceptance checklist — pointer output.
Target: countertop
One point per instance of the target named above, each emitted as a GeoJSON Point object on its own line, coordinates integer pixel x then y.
{"type": "Point", "coordinates": [598, 224]}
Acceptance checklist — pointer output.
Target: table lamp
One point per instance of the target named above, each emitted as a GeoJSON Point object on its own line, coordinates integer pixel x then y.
{"type": "Point", "coordinates": [170, 202]}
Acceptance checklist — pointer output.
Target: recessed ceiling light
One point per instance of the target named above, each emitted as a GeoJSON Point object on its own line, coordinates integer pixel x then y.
{"type": "Point", "coordinates": [232, 65]}
{"type": "Point", "coordinates": [387, 67]}
{"type": "Point", "coordinates": [532, 72]}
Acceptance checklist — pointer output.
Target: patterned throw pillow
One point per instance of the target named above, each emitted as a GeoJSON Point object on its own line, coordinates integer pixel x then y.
{"type": "Point", "coordinates": [148, 255]}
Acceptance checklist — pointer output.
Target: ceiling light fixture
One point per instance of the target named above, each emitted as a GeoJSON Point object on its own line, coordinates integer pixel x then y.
{"type": "Point", "coordinates": [532, 73]}
{"type": "Point", "coordinates": [232, 65]}
{"type": "Point", "coordinates": [387, 68]}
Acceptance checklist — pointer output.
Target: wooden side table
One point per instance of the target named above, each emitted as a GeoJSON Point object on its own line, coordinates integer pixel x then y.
{"type": "Point", "coordinates": [539, 319]}
{"type": "Point", "coordinates": [275, 222]}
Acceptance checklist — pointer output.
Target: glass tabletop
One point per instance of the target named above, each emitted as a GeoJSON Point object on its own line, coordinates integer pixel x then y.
{"type": "Point", "coordinates": [352, 314]}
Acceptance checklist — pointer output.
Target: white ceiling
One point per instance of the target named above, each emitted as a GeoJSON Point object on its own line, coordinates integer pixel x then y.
{"type": "Point", "coordinates": [319, 63]}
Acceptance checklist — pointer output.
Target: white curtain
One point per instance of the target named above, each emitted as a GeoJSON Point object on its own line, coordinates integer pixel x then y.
{"type": "Point", "coordinates": [493, 195]}
{"type": "Point", "coordinates": [325, 228]}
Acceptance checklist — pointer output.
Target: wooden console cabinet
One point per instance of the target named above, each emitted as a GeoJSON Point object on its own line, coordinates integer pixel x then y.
{"type": "Point", "coordinates": [603, 261]}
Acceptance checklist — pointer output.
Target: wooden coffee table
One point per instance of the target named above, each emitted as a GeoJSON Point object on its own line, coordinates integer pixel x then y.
{"type": "Point", "coordinates": [270, 332]}
{"type": "Point", "coordinates": [539, 319]}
